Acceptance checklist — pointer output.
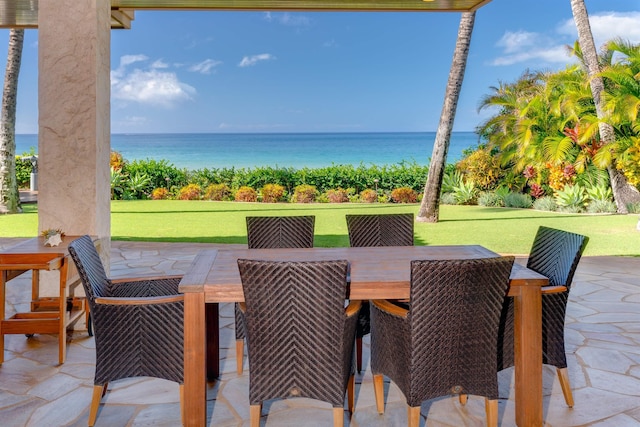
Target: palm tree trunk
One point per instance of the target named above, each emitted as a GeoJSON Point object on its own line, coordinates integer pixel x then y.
{"type": "Point", "coordinates": [623, 192]}
{"type": "Point", "coordinates": [9, 194]}
{"type": "Point", "coordinates": [429, 208]}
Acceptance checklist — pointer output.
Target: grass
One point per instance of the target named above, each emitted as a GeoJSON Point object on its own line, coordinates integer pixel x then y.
{"type": "Point", "coordinates": [507, 231]}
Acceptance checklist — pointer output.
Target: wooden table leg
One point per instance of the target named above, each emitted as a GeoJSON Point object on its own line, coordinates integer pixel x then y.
{"type": "Point", "coordinates": [3, 282]}
{"type": "Point", "coordinates": [62, 311]}
{"type": "Point", "coordinates": [213, 341]}
{"type": "Point", "coordinates": [528, 356]}
{"type": "Point", "coordinates": [195, 402]}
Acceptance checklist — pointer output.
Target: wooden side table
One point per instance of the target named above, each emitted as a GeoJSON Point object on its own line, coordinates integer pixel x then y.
{"type": "Point", "coordinates": [48, 315]}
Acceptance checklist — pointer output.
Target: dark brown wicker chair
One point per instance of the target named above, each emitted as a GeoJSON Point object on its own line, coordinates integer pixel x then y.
{"type": "Point", "coordinates": [265, 232]}
{"type": "Point", "coordinates": [300, 336]}
{"type": "Point", "coordinates": [376, 230]}
{"type": "Point", "coordinates": [555, 254]}
{"type": "Point", "coordinates": [445, 342]}
{"type": "Point", "coordinates": [138, 324]}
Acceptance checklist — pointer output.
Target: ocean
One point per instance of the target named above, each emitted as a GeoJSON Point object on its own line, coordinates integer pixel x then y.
{"type": "Point", "coordinates": [194, 151]}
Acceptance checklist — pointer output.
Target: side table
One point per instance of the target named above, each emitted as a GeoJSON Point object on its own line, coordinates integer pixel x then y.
{"type": "Point", "coordinates": [48, 315]}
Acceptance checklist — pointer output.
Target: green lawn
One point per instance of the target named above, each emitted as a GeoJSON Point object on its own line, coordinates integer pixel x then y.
{"type": "Point", "coordinates": [499, 229]}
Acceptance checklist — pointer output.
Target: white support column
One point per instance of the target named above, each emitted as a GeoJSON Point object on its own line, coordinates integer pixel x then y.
{"type": "Point", "coordinates": [74, 39]}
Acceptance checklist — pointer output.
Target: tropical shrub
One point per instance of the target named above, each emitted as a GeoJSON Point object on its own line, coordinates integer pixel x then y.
{"type": "Point", "coordinates": [451, 180]}
{"type": "Point", "coordinates": [190, 192]}
{"type": "Point", "coordinates": [513, 181]}
{"type": "Point", "coordinates": [272, 193]}
{"type": "Point", "coordinates": [116, 160]}
{"type": "Point", "coordinates": [599, 193]}
{"type": "Point", "coordinates": [465, 193]}
{"type": "Point", "coordinates": [572, 198]}
{"type": "Point", "coordinates": [633, 208]}
{"type": "Point", "coordinates": [138, 185]}
{"type": "Point", "coordinates": [545, 203]}
{"type": "Point", "coordinates": [117, 179]}
{"type": "Point", "coordinates": [448, 199]}
{"type": "Point", "coordinates": [338, 195]}
{"type": "Point", "coordinates": [160, 173]}
{"type": "Point", "coordinates": [481, 168]}
{"type": "Point", "coordinates": [368, 196]}
{"type": "Point", "coordinates": [23, 170]}
{"type": "Point", "coordinates": [246, 194]}
{"type": "Point", "coordinates": [205, 177]}
{"type": "Point", "coordinates": [217, 192]}
{"type": "Point", "coordinates": [404, 195]}
{"type": "Point", "coordinates": [304, 193]}
{"type": "Point", "coordinates": [490, 199]}
{"type": "Point", "coordinates": [518, 200]}
{"type": "Point", "coordinates": [160, 194]}
{"type": "Point", "coordinates": [536, 190]}
{"type": "Point", "coordinates": [261, 176]}
{"type": "Point", "coordinates": [601, 206]}
{"type": "Point", "coordinates": [561, 175]}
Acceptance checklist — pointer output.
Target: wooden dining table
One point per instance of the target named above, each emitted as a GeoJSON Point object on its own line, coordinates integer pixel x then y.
{"type": "Point", "coordinates": [47, 315]}
{"type": "Point", "coordinates": [376, 273]}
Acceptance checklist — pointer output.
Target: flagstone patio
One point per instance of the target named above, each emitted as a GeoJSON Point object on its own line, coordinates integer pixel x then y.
{"type": "Point", "coordinates": [603, 346]}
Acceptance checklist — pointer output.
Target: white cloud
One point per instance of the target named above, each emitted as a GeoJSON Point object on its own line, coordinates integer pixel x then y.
{"type": "Point", "coordinates": [148, 85]}
{"type": "Point", "coordinates": [294, 20]}
{"type": "Point", "coordinates": [288, 19]}
{"type": "Point", "coordinates": [523, 46]}
{"type": "Point", "coordinates": [205, 66]}
{"type": "Point", "coordinates": [248, 61]}
{"type": "Point", "coordinates": [606, 26]}
{"type": "Point", "coordinates": [513, 42]}
{"type": "Point", "coordinates": [159, 64]}
{"type": "Point", "coordinates": [550, 54]}
{"type": "Point", "coordinates": [329, 43]}
{"type": "Point", "coordinates": [131, 59]}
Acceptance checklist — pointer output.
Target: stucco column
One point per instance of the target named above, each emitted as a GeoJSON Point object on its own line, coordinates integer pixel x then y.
{"type": "Point", "coordinates": [74, 118]}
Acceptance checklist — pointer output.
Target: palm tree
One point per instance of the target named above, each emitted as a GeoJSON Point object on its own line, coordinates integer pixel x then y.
{"type": "Point", "coordinates": [527, 129]}
{"type": "Point", "coordinates": [623, 193]}
{"type": "Point", "coordinates": [9, 194]}
{"type": "Point", "coordinates": [622, 101]}
{"type": "Point", "coordinates": [429, 208]}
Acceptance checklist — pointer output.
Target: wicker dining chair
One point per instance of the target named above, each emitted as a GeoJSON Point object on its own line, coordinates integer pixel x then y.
{"type": "Point", "coordinates": [555, 254]}
{"type": "Point", "coordinates": [265, 232]}
{"type": "Point", "coordinates": [445, 343]}
{"type": "Point", "coordinates": [376, 230]}
{"type": "Point", "coordinates": [138, 324]}
{"type": "Point", "coordinates": [300, 336]}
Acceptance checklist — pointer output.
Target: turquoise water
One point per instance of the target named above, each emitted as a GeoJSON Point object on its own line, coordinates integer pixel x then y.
{"type": "Point", "coordinates": [199, 150]}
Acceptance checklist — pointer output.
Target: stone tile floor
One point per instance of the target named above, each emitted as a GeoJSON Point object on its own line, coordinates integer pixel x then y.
{"type": "Point", "coordinates": [603, 346]}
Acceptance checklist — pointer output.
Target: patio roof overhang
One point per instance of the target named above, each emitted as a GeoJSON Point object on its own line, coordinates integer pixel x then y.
{"type": "Point", "coordinates": [24, 13]}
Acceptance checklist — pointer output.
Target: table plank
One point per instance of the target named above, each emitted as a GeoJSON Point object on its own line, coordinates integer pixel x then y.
{"type": "Point", "coordinates": [376, 272]}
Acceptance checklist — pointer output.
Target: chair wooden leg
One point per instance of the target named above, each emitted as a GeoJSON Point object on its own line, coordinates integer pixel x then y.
{"type": "Point", "coordinates": [240, 356]}
{"type": "Point", "coordinates": [378, 388]}
{"type": "Point", "coordinates": [463, 398]}
{"type": "Point", "coordinates": [563, 376]}
{"type": "Point", "coordinates": [254, 415]}
{"type": "Point", "coordinates": [338, 417]}
{"type": "Point", "coordinates": [182, 403]}
{"type": "Point", "coordinates": [95, 403]}
{"type": "Point", "coordinates": [351, 393]}
{"type": "Point", "coordinates": [359, 354]}
{"type": "Point", "coordinates": [414, 416]}
{"type": "Point", "coordinates": [491, 407]}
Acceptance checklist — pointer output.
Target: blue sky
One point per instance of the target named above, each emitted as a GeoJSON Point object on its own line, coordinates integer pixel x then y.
{"type": "Point", "coordinates": [176, 72]}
